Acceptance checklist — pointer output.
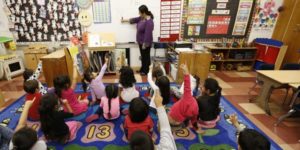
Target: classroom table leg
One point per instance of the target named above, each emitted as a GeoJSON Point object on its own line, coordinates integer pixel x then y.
{"type": "Point", "coordinates": [265, 92]}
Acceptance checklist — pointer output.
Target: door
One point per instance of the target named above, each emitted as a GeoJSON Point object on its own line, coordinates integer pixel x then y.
{"type": "Point", "coordinates": [288, 30]}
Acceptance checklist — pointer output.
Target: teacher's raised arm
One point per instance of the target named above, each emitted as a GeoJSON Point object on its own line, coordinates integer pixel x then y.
{"type": "Point", "coordinates": [144, 35]}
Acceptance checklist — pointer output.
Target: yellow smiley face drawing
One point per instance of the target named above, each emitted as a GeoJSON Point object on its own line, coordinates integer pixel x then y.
{"type": "Point", "coordinates": [85, 18]}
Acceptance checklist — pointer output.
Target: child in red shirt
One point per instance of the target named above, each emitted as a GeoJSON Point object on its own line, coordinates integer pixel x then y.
{"type": "Point", "coordinates": [31, 87]}
{"type": "Point", "coordinates": [138, 118]}
{"type": "Point", "coordinates": [186, 109]}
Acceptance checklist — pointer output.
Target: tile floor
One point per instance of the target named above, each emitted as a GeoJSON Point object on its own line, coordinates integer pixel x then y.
{"type": "Point", "coordinates": [235, 88]}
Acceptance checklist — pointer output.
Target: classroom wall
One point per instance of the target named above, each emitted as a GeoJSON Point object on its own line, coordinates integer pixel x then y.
{"type": "Point", "coordinates": [130, 29]}
{"type": "Point", "coordinates": [3, 26]}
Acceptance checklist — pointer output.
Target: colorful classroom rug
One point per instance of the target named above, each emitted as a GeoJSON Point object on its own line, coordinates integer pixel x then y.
{"type": "Point", "coordinates": [110, 136]}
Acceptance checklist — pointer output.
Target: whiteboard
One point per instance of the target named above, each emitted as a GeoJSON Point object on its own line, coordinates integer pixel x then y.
{"type": "Point", "coordinates": [126, 9]}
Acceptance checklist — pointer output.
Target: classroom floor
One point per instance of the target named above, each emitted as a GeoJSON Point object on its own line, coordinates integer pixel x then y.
{"type": "Point", "coordinates": [235, 88]}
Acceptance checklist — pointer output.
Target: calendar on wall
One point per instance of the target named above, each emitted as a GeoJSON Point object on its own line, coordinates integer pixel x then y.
{"type": "Point", "coordinates": [102, 11]}
{"type": "Point", "coordinates": [170, 20]}
{"type": "Point", "coordinates": [212, 20]}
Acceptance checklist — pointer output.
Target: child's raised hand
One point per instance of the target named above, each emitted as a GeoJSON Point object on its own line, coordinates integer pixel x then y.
{"type": "Point", "coordinates": [29, 102]}
{"type": "Point", "coordinates": [64, 101]}
{"type": "Point", "coordinates": [233, 118]}
{"type": "Point", "coordinates": [157, 98]}
{"type": "Point", "coordinates": [106, 59]}
{"type": "Point", "coordinates": [184, 68]}
{"type": "Point", "coordinates": [151, 67]}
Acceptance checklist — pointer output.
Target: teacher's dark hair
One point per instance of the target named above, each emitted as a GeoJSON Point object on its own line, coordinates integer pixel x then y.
{"type": "Point", "coordinates": [144, 10]}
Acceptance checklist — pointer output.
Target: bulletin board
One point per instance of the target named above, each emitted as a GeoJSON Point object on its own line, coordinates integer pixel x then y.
{"type": "Point", "coordinates": [216, 19]}
{"type": "Point", "coordinates": [44, 20]}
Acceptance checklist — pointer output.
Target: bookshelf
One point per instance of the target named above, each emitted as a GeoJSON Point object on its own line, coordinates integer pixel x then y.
{"type": "Point", "coordinates": [232, 58]}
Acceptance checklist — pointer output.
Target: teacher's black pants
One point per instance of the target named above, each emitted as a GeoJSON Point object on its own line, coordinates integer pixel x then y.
{"type": "Point", "coordinates": [146, 60]}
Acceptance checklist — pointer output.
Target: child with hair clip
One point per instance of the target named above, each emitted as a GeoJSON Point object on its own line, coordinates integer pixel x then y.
{"type": "Point", "coordinates": [141, 140]}
{"type": "Point", "coordinates": [186, 109]}
{"type": "Point", "coordinates": [162, 83]}
{"type": "Point", "coordinates": [138, 118]}
{"type": "Point", "coordinates": [109, 105]}
{"type": "Point", "coordinates": [53, 124]}
{"type": "Point", "coordinates": [31, 88]}
{"type": "Point", "coordinates": [127, 83]}
{"type": "Point", "coordinates": [95, 83]}
{"type": "Point", "coordinates": [24, 138]}
{"type": "Point", "coordinates": [208, 104]}
{"type": "Point", "coordinates": [65, 90]}
{"type": "Point", "coordinates": [28, 74]}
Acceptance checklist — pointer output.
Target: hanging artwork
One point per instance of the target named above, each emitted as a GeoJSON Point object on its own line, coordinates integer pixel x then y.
{"type": "Point", "coordinates": [85, 18]}
{"type": "Point", "coordinates": [84, 3]}
{"type": "Point", "coordinates": [265, 18]}
{"type": "Point", "coordinates": [44, 20]}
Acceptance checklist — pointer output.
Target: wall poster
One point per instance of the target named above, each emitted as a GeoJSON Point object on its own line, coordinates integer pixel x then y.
{"type": "Point", "coordinates": [170, 20]}
{"type": "Point", "coordinates": [242, 17]}
{"type": "Point", "coordinates": [196, 11]}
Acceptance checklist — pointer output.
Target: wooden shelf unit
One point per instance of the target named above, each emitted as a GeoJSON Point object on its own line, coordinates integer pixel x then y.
{"type": "Point", "coordinates": [198, 63]}
{"type": "Point", "coordinates": [229, 58]}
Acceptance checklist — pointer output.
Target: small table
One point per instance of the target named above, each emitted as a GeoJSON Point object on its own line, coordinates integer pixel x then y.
{"type": "Point", "coordinates": [274, 79]}
{"type": "Point", "coordinates": [296, 93]}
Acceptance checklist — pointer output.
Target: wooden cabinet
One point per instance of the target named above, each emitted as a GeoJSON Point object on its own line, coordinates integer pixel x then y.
{"type": "Point", "coordinates": [198, 64]}
{"type": "Point", "coordinates": [54, 64]}
{"type": "Point", "coordinates": [32, 54]}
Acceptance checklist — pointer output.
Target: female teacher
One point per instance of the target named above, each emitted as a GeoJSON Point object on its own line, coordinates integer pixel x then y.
{"type": "Point", "coordinates": [144, 35]}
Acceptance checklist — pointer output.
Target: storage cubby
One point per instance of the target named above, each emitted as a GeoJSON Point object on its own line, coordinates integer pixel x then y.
{"type": "Point", "coordinates": [229, 58]}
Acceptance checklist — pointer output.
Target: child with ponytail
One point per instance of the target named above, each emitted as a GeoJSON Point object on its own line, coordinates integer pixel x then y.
{"type": "Point", "coordinates": [208, 103]}
{"type": "Point", "coordinates": [52, 120]}
{"type": "Point", "coordinates": [109, 105]}
{"type": "Point", "coordinates": [64, 89]}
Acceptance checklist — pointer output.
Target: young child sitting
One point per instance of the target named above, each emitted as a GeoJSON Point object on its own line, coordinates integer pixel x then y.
{"type": "Point", "coordinates": [186, 109]}
{"type": "Point", "coordinates": [31, 88]}
{"type": "Point", "coordinates": [208, 103]}
{"type": "Point", "coordinates": [162, 83]}
{"type": "Point", "coordinates": [95, 82]}
{"type": "Point", "coordinates": [24, 138]}
{"type": "Point", "coordinates": [141, 140]}
{"type": "Point", "coordinates": [65, 90]}
{"type": "Point", "coordinates": [138, 118]}
{"type": "Point", "coordinates": [249, 139]}
{"type": "Point", "coordinates": [109, 106]}
{"type": "Point", "coordinates": [28, 74]}
{"type": "Point", "coordinates": [53, 124]}
{"type": "Point", "coordinates": [127, 82]}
